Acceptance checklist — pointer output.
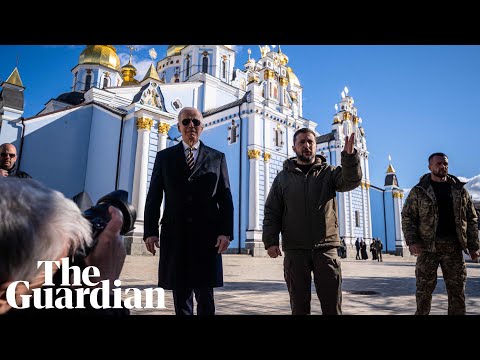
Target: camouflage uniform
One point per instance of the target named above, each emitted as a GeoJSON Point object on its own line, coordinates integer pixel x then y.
{"type": "Point", "coordinates": [419, 223]}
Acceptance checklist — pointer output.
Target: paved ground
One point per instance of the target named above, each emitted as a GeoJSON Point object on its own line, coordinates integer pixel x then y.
{"type": "Point", "coordinates": [255, 286]}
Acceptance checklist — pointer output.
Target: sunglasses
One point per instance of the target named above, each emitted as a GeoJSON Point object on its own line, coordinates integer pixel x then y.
{"type": "Point", "coordinates": [7, 154]}
{"type": "Point", "coordinates": [186, 122]}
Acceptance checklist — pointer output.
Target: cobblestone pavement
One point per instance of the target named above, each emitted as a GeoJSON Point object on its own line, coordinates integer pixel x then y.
{"type": "Point", "coordinates": [255, 286]}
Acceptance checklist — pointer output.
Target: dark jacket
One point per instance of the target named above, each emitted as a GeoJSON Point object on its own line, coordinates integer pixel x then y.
{"type": "Point", "coordinates": [198, 208]}
{"type": "Point", "coordinates": [420, 215]}
{"type": "Point", "coordinates": [14, 172]}
{"type": "Point", "coordinates": [304, 207]}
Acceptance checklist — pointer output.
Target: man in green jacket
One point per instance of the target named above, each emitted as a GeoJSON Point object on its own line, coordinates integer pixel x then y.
{"type": "Point", "coordinates": [439, 221]}
{"type": "Point", "coordinates": [302, 206]}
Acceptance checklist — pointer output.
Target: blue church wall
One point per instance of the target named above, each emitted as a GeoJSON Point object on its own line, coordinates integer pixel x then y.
{"type": "Point", "coordinates": [101, 171]}
{"type": "Point", "coordinates": [66, 133]}
{"type": "Point", "coordinates": [390, 220]}
{"type": "Point", "coordinates": [217, 138]}
{"type": "Point", "coordinates": [378, 216]}
{"type": "Point", "coordinates": [127, 157]}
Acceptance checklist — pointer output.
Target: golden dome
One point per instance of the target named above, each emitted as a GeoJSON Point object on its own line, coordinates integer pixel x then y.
{"type": "Point", "coordinates": [292, 77]}
{"type": "Point", "coordinates": [129, 71]}
{"type": "Point", "coordinates": [173, 50]}
{"type": "Point", "coordinates": [105, 55]}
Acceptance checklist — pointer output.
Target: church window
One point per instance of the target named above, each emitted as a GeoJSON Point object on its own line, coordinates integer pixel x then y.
{"type": "Point", "coordinates": [275, 91]}
{"type": "Point", "coordinates": [187, 65]}
{"type": "Point", "coordinates": [176, 104]}
{"type": "Point", "coordinates": [357, 218]}
{"type": "Point", "coordinates": [278, 137]}
{"type": "Point", "coordinates": [75, 81]}
{"type": "Point", "coordinates": [205, 64]}
{"type": "Point", "coordinates": [224, 68]}
{"type": "Point", "coordinates": [233, 133]}
{"type": "Point", "coordinates": [106, 81]}
{"type": "Point", "coordinates": [88, 82]}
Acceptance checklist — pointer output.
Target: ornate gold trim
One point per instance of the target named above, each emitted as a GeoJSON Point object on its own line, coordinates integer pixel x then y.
{"type": "Point", "coordinates": [144, 123]}
{"type": "Point", "coordinates": [268, 74]}
{"type": "Point", "coordinates": [267, 156]}
{"type": "Point", "coordinates": [253, 154]}
{"type": "Point", "coordinates": [397, 195]}
{"type": "Point", "coordinates": [283, 81]}
{"type": "Point", "coordinates": [163, 128]}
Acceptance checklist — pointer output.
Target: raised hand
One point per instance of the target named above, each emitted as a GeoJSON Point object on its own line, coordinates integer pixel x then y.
{"type": "Point", "coordinates": [349, 144]}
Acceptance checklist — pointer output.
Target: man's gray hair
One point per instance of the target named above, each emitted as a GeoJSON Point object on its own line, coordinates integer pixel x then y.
{"type": "Point", "coordinates": [36, 223]}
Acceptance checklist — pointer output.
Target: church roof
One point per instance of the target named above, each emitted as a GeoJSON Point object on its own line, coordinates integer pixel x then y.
{"type": "Point", "coordinates": [326, 137]}
{"type": "Point", "coordinates": [226, 106]}
{"type": "Point", "coordinates": [391, 180]}
{"type": "Point", "coordinates": [14, 78]}
{"type": "Point", "coordinates": [73, 98]}
{"type": "Point", "coordinates": [138, 96]}
{"type": "Point", "coordinates": [151, 73]}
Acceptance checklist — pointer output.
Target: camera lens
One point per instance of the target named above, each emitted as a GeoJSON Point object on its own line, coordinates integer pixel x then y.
{"type": "Point", "coordinates": [119, 199]}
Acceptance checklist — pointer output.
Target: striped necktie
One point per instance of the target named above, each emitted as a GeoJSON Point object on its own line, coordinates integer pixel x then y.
{"type": "Point", "coordinates": [190, 161]}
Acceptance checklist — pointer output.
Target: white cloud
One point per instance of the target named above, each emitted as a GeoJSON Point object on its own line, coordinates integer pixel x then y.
{"type": "Point", "coordinates": [473, 186]}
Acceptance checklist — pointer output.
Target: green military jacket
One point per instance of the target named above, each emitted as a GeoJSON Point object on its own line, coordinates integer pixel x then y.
{"type": "Point", "coordinates": [420, 215]}
{"type": "Point", "coordinates": [303, 208]}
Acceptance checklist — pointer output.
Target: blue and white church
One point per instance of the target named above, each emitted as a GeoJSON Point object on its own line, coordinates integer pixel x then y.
{"type": "Point", "coordinates": [106, 131]}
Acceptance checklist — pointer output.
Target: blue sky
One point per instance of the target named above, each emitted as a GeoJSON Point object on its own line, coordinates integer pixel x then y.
{"type": "Point", "coordinates": [414, 100]}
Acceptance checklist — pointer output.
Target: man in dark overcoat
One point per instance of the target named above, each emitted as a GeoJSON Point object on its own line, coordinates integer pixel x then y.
{"type": "Point", "coordinates": [197, 222]}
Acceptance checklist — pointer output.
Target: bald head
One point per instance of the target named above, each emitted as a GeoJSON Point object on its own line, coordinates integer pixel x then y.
{"type": "Point", "coordinates": [8, 156]}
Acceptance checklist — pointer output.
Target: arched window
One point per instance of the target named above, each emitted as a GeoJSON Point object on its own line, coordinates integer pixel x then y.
{"type": "Point", "coordinates": [88, 82]}
{"type": "Point", "coordinates": [224, 69]}
{"type": "Point", "coordinates": [187, 70]}
{"type": "Point", "coordinates": [105, 81]}
{"type": "Point", "coordinates": [205, 64]}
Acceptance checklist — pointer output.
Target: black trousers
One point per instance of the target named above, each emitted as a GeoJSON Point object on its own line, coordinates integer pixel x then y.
{"type": "Point", "coordinates": [327, 276]}
{"type": "Point", "coordinates": [183, 301]}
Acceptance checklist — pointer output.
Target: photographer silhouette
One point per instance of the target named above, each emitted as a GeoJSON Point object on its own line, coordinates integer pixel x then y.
{"type": "Point", "coordinates": [41, 224]}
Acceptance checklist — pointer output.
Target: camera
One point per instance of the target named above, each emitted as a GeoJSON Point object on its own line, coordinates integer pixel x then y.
{"type": "Point", "coordinates": [99, 216]}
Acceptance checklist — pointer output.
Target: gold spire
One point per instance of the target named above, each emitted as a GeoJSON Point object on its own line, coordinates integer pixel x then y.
{"type": "Point", "coordinates": [129, 71]}
{"type": "Point", "coordinates": [14, 78]}
{"type": "Point", "coordinates": [105, 55]}
{"type": "Point", "coordinates": [152, 73]}
{"type": "Point", "coordinates": [390, 169]}
{"type": "Point", "coordinates": [282, 57]}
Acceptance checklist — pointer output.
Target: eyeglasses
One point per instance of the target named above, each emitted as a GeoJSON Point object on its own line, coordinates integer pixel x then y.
{"type": "Point", "coordinates": [7, 154]}
{"type": "Point", "coordinates": [186, 122]}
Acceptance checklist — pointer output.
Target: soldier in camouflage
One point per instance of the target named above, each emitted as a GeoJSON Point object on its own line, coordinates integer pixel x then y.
{"type": "Point", "coordinates": [439, 221]}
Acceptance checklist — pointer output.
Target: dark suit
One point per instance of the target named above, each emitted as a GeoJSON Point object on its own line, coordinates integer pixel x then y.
{"type": "Point", "coordinates": [198, 208]}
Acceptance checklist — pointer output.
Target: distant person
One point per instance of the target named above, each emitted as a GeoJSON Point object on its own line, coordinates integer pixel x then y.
{"type": "Point", "coordinates": [379, 247]}
{"type": "Point", "coordinates": [439, 221]}
{"type": "Point", "coordinates": [357, 247]}
{"type": "Point", "coordinates": [302, 206]}
{"type": "Point", "coordinates": [363, 250]}
{"type": "Point", "coordinates": [373, 249]}
{"type": "Point", "coordinates": [8, 159]}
